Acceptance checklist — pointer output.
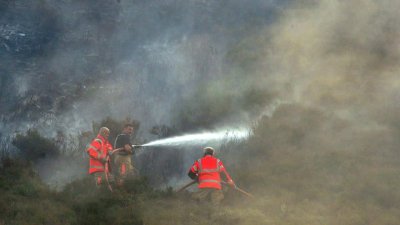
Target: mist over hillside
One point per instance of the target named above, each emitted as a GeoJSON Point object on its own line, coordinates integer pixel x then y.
{"type": "Point", "coordinates": [316, 81]}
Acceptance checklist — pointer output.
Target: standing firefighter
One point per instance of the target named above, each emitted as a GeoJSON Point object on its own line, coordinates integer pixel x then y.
{"type": "Point", "coordinates": [98, 150]}
{"type": "Point", "coordinates": [122, 158]}
{"type": "Point", "coordinates": [206, 171]}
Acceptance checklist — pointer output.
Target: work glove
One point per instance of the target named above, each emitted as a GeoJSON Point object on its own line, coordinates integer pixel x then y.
{"type": "Point", "coordinates": [103, 160]}
{"type": "Point", "coordinates": [231, 183]}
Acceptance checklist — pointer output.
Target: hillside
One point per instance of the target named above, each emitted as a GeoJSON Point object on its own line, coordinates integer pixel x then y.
{"type": "Point", "coordinates": [295, 181]}
{"type": "Point", "coordinates": [315, 84]}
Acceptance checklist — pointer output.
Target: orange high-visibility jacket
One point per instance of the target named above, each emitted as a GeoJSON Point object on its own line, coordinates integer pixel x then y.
{"type": "Point", "coordinates": [97, 151]}
{"type": "Point", "coordinates": [208, 169]}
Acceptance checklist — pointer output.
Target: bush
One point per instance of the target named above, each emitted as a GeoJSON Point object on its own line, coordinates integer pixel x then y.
{"type": "Point", "coordinates": [26, 200]}
{"type": "Point", "coordinates": [33, 146]}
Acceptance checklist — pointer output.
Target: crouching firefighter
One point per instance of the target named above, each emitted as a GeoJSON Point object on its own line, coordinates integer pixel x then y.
{"type": "Point", "coordinates": [99, 163]}
{"type": "Point", "coordinates": [206, 171]}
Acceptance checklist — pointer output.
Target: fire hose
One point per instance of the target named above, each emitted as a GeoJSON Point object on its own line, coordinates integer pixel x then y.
{"type": "Point", "coordinates": [223, 182]}
{"type": "Point", "coordinates": [107, 172]}
{"type": "Point", "coordinates": [239, 190]}
{"type": "Point", "coordinates": [107, 169]}
{"type": "Point", "coordinates": [187, 185]}
{"type": "Point", "coordinates": [107, 164]}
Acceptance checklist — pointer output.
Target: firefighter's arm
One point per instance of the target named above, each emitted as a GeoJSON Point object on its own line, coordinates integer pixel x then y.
{"type": "Point", "coordinates": [110, 149]}
{"type": "Point", "coordinates": [94, 151]}
{"type": "Point", "coordinates": [114, 151]}
{"type": "Point", "coordinates": [228, 177]}
{"type": "Point", "coordinates": [128, 148]}
{"type": "Point", "coordinates": [193, 172]}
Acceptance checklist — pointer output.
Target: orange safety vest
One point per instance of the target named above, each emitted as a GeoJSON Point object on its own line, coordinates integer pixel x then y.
{"type": "Point", "coordinates": [97, 150]}
{"type": "Point", "coordinates": [208, 169]}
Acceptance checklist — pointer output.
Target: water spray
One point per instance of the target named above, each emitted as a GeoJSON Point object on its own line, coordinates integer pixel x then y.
{"type": "Point", "coordinates": [201, 138]}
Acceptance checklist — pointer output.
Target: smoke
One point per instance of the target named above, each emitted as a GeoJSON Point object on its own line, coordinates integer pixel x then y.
{"type": "Point", "coordinates": [67, 64]}
{"type": "Point", "coordinates": [100, 58]}
{"type": "Point", "coordinates": [337, 59]}
{"type": "Point", "coordinates": [330, 69]}
{"type": "Point", "coordinates": [197, 65]}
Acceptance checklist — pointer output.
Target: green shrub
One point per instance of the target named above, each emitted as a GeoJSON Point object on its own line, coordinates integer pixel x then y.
{"type": "Point", "coordinates": [26, 200]}
{"type": "Point", "coordinates": [107, 208]}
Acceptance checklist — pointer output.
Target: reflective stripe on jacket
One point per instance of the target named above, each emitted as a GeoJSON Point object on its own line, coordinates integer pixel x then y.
{"type": "Point", "coordinates": [208, 169]}
{"type": "Point", "coordinates": [97, 150]}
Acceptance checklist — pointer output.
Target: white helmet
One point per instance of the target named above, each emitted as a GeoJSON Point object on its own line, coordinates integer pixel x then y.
{"type": "Point", "coordinates": [209, 150]}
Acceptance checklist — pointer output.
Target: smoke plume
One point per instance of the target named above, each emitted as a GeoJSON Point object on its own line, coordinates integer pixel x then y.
{"type": "Point", "coordinates": [197, 65]}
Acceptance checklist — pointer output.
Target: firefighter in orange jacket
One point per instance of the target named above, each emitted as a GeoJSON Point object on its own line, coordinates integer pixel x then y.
{"type": "Point", "coordinates": [206, 171]}
{"type": "Point", "coordinates": [98, 151]}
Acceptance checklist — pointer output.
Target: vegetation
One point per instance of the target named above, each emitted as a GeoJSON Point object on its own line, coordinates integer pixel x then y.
{"type": "Point", "coordinates": [295, 180]}
{"type": "Point", "coordinates": [33, 146]}
{"type": "Point", "coordinates": [325, 153]}
{"type": "Point", "coordinates": [26, 200]}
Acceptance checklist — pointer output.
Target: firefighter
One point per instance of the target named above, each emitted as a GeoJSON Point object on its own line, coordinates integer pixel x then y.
{"type": "Point", "coordinates": [122, 158]}
{"type": "Point", "coordinates": [98, 150]}
{"type": "Point", "coordinates": [206, 171]}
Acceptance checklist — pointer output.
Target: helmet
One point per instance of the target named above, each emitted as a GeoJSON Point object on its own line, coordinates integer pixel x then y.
{"type": "Point", "coordinates": [209, 150]}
